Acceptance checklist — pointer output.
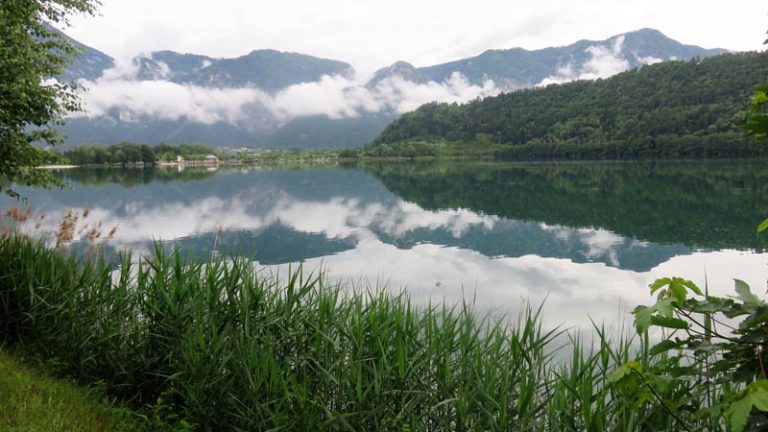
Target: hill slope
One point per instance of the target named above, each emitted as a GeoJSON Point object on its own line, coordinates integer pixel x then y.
{"type": "Point", "coordinates": [672, 109]}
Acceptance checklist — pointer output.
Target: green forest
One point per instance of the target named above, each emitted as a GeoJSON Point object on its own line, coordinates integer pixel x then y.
{"type": "Point", "coordinates": [125, 153]}
{"type": "Point", "coordinates": [678, 109]}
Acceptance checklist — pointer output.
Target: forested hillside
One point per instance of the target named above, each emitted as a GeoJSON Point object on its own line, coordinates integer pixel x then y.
{"type": "Point", "coordinates": [672, 109]}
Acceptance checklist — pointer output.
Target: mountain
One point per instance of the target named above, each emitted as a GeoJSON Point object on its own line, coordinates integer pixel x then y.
{"type": "Point", "coordinates": [672, 109]}
{"type": "Point", "coordinates": [250, 100]}
{"type": "Point", "coordinates": [520, 68]}
{"type": "Point", "coordinates": [170, 66]}
{"type": "Point", "coordinates": [268, 70]}
{"type": "Point", "coordinates": [89, 65]}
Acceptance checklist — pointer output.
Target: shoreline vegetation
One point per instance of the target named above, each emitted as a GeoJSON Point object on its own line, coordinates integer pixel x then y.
{"type": "Point", "coordinates": [218, 345]}
{"type": "Point", "coordinates": [215, 158]}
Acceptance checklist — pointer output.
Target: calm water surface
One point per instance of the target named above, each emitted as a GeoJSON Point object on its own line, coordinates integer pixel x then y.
{"type": "Point", "coordinates": [588, 237]}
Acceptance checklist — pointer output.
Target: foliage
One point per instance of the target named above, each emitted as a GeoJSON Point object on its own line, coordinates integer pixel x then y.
{"type": "Point", "coordinates": [218, 345]}
{"type": "Point", "coordinates": [31, 103]}
{"type": "Point", "coordinates": [123, 153]}
{"type": "Point", "coordinates": [757, 122]}
{"type": "Point", "coordinates": [701, 349]}
{"type": "Point", "coordinates": [672, 109]}
{"type": "Point", "coordinates": [126, 153]}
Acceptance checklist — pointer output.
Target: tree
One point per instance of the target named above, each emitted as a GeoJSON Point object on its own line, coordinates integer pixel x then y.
{"type": "Point", "coordinates": [757, 122]}
{"type": "Point", "coordinates": [31, 101]}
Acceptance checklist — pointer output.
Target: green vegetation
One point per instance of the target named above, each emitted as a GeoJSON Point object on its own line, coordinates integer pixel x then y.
{"type": "Point", "coordinates": [122, 154]}
{"type": "Point", "coordinates": [680, 109]}
{"type": "Point", "coordinates": [218, 346]}
{"type": "Point", "coordinates": [129, 154]}
{"type": "Point", "coordinates": [126, 153]}
{"type": "Point", "coordinates": [218, 338]}
{"type": "Point", "coordinates": [33, 401]}
{"type": "Point", "coordinates": [29, 105]}
{"type": "Point", "coordinates": [724, 361]}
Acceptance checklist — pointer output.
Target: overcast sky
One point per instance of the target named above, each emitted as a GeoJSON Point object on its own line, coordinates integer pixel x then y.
{"type": "Point", "coordinates": [372, 34]}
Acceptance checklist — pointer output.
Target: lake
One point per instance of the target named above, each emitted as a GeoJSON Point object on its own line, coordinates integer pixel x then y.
{"type": "Point", "coordinates": [587, 237]}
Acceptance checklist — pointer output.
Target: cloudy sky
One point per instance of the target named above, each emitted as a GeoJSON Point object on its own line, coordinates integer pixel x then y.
{"type": "Point", "coordinates": [371, 34]}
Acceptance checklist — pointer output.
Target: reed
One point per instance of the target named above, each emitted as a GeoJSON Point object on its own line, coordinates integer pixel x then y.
{"type": "Point", "coordinates": [221, 346]}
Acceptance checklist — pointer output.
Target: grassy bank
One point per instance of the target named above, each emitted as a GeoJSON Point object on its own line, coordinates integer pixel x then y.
{"type": "Point", "coordinates": [219, 346]}
{"type": "Point", "coordinates": [33, 401]}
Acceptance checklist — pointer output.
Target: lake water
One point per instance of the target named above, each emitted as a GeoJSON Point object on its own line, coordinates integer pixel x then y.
{"type": "Point", "coordinates": [588, 237]}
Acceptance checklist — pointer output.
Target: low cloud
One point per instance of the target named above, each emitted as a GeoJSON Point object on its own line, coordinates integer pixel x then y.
{"type": "Point", "coordinates": [650, 59]}
{"type": "Point", "coordinates": [131, 100]}
{"type": "Point", "coordinates": [119, 95]}
{"type": "Point", "coordinates": [603, 62]}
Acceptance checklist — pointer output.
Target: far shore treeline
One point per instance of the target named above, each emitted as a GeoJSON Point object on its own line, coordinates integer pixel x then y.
{"type": "Point", "coordinates": [132, 154]}
{"type": "Point", "coordinates": [676, 109]}
{"type": "Point", "coordinates": [126, 153]}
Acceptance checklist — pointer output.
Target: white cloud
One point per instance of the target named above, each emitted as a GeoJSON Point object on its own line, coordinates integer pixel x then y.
{"type": "Point", "coordinates": [403, 96]}
{"type": "Point", "coordinates": [168, 101]}
{"type": "Point", "coordinates": [118, 94]}
{"type": "Point", "coordinates": [649, 60]}
{"type": "Point", "coordinates": [603, 62]}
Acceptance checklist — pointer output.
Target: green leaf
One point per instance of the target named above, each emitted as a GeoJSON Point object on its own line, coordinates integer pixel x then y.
{"type": "Point", "coordinates": [663, 346]}
{"type": "Point", "coordinates": [758, 391]}
{"type": "Point", "coordinates": [691, 286]}
{"type": "Point", "coordinates": [745, 295]}
{"type": "Point", "coordinates": [759, 98]}
{"type": "Point", "coordinates": [659, 283]}
{"type": "Point", "coordinates": [738, 413]}
{"type": "Point", "coordinates": [665, 307]}
{"type": "Point", "coordinates": [763, 226]}
{"type": "Point", "coordinates": [644, 315]}
{"type": "Point", "coordinates": [619, 374]}
{"type": "Point", "coordinates": [642, 318]}
{"type": "Point", "coordinates": [756, 395]}
{"type": "Point", "coordinates": [678, 291]}
{"type": "Point", "coordinates": [669, 322]}
{"type": "Point", "coordinates": [624, 370]}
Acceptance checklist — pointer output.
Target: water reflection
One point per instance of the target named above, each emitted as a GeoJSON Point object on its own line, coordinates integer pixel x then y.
{"type": "Point", "coordinates": [588, 236]}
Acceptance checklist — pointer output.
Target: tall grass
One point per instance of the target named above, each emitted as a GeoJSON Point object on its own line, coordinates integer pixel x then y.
{"type": "Point", "coordinates": [226, 348]}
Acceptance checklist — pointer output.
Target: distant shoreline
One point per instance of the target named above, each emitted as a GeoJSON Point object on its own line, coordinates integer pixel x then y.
{"type": "Point", "coordinates": [50, 167]}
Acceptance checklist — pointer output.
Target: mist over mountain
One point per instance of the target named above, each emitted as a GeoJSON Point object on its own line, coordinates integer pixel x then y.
{"type": "Point", "coordinates": [518, 68]}
{"type": "Point", "coordinates": [268, 98]}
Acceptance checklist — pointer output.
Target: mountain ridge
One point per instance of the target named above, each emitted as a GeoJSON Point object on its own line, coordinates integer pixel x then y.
{"type": "Point", "coordinates": [268, 121]}
{"type": "Point", "coordinates": [500, 64]}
